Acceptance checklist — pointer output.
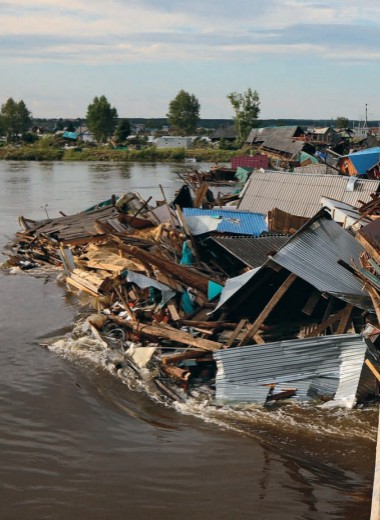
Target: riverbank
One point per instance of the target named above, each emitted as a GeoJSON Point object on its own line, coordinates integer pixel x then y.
{"type": "Point", "coordinates": [106, 153]}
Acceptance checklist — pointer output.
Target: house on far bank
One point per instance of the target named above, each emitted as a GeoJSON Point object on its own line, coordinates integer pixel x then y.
{"type": "Point", "coordinates": [282, 142]}
{"type": "Point", "coordinates": [326, 136]}
{"type": "Point", "coordinates": [223, 133]}
{"type": "Point", "coordinates": [172, 141]}
{"type": "Point", "coordinates": [85, 135]}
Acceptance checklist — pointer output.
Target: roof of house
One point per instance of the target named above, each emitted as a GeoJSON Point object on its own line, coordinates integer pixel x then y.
{"type": "Point", "coordinates": [252, 251]}
{"type": "Point", "coordinates": [240, 223]}
{"type": "Point", "coordinates": [259, 135]}
{"type": "Point", "coordinates": [299, 193]}
{"type": "Point", "coordinates": [321, 130]}
{"type": "Point", "coordinates": [314, 254]}
{"type": "Point", "coordinates": [365, 159]}
{"type": "Point", "coordinates": [282, 145]}
{"type": "Point", "coordinates": [224, 132]}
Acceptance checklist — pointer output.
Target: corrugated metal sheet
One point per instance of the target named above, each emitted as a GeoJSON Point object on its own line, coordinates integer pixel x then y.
{"type": "Point", "coordinates": [237, 222]}
{"type": "Point", "coordinates": [233, 285]}
{"type": "Point", "coordinates": [253, 251]}
{"type": "Point", "coordinates": [315, 169]}
{"type": "Point", "coordinates": [313, 254]}
{"type": "Point", "coordinates": [247, 161]}
{"type": "Point", "coordinates": [324, 366]}
{"type": "Point", "coordinates": [300, 194]}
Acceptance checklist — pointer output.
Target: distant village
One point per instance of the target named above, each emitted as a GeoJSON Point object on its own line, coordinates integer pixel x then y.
{"type": "Point", "coordinates": [294, 147]}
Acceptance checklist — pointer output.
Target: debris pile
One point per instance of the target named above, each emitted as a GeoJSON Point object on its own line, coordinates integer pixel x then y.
{"type": "Point", "coordinates": [249, 307]}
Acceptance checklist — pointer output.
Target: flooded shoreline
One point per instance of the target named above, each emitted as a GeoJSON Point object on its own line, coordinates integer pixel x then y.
{"type": "Point", "coordinates": [78, 442]}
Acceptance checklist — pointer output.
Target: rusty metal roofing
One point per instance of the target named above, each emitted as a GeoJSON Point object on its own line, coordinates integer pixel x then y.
{"type": "Point", "coordinates": [314, 254]}
{"type": "Point", "coordinates": [300, 194]}
{"type": "Point", "coordinates": [330, 366]}
{"type": "Point", "coordinates": [252, 251]}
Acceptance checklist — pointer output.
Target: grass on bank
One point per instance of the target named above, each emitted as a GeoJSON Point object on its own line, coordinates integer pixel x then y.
{"type": "Point", "coordinates": [147, 154]}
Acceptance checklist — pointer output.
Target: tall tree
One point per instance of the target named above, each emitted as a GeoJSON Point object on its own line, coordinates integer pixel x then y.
{"type": "Point", "coordinates": [101, 118]}
{"type": "Point", "coordinates": [341, 122]}
{"type": "Point", "coordinates": [16, 119]}
{"type": "Point", "coordinates": [183, 113]}
{"type": "Point", "coordinates": [247, 110]}
{"type": "Point", "coordinates": [123, 130]}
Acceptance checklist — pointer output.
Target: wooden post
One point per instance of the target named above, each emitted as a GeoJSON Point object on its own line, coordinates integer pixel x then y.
{"type": "Point", "coordinates": [268, 309]}
{"type": "Point", "coordinates": [343, 324]}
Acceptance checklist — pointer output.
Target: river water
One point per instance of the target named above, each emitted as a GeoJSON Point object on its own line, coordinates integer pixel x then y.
{"type": "Point", "coordinates": [77, 443]}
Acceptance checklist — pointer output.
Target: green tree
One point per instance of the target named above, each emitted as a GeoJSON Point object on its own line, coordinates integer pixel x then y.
{"type": "Point", "coordinates": [123, 130]}
{"type": "Point", "coordinates": [247, 110]}
{"type": "Point", "coordinates": [101, 118]}
{"type": "Point", "coordinates": [341, 122]}
{"type": "Point", "coordinates": [15, 118]}
{"type": "Point", "coordinates": [183, 113]}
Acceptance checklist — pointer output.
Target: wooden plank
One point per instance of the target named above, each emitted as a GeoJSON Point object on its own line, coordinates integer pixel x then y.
{"type": "Point", "coordinates": [372, 369]}
{"type": "Point", "coordinates": [236, 332]}
{"type": "Point", "coordinates": [323, 326]}
{"type": "Point", "coordinates": [167, 332]}
{"type": "Point", "coordinates": [343, 324]}
{"type": "Point", "coordinates": [268, 309]}
{"type": "Point", "coordinates": [311, 303]}
{"type": "Point", "coordinates": [200, 194]}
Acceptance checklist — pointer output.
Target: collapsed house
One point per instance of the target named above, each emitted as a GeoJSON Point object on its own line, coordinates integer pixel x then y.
{"type": "Point", "coordinates": [297, 316]}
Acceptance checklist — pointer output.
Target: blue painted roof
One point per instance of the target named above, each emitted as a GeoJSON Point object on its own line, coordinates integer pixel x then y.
{"type": "Point", "coordinates": [70, 135]}
{"type": "Point", "coordinates": [365, 159]}
{"type": "Point", "coordinates": [238, 222]}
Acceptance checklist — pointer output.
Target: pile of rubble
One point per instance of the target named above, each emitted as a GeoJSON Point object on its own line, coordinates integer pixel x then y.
{"type": "Point", "coordinates": [255, 307]}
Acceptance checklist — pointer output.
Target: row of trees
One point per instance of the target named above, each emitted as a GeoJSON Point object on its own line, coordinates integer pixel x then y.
{"type": "Point", "coordinates": [183, 115]}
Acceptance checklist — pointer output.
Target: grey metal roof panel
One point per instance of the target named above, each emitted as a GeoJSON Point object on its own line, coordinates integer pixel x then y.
{"type": "Point", "coordinates": [300, 194]}
{"type": "Point", "coordinates": [252, 251]}
{"type": "Point", "coordinates": [313, 254]}
{"type": "Point", "coordinates": [328, 365]}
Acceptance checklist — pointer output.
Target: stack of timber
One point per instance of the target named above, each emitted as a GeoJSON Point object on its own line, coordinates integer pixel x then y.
{"type": "Point", "coordinates": [183, 314]}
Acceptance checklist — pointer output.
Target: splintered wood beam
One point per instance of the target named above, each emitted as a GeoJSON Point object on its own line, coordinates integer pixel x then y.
{"type": "Point", "coordinates": [188, 276]}
{"type": "Point", "coordinates": [268, 309]}
{"type": "Point", "coordinates": [368, 247]}
{"type": "Point", "coordinates": [311, 303]}
{"type": "Point", "coordinates": [167, 332]}
{"type": "Point", "coordinates": [343, 324]}
{"type": "Point", "coordinates": [200, 194]}
{"type": "Point", "coordinates": [236, 332]}
{"type": "Point", "coordinates": [372, 369]}
{"type": "Point", "coordinates": [323, 326]}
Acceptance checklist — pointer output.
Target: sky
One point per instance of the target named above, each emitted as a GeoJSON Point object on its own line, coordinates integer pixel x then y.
{"type": "Point", "coordinates": [307, 59]}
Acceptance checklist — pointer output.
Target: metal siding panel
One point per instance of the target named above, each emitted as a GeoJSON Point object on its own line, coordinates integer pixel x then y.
{"type": "Point", "coordinates": [315, 366]}
{"type": "Point", "coordinates": [313, 255]}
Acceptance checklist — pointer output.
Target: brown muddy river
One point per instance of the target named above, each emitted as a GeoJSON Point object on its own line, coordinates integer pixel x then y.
{"type": "Point", "coordinates": [78, 443]}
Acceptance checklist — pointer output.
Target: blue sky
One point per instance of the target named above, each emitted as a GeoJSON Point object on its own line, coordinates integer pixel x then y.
{"type": "Point", "coordinates": [307, 59]}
